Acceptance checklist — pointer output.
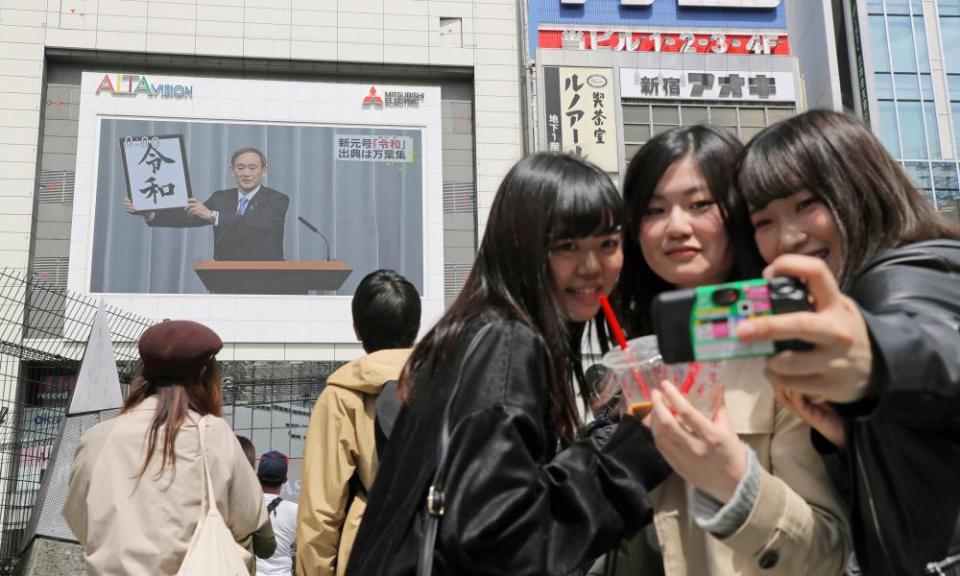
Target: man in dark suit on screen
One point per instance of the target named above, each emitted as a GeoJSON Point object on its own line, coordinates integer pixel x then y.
{"type": "Point", "coordinates": [247, 220]}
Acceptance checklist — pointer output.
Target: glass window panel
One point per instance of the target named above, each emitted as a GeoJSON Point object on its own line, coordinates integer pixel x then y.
{"type": "Point", "coordinates": [884, 83]}
{"type": "Point", "coordinates": [907, 85]}
{"type": "Point", "coordinates": [901, 44]}
{"type": "Point", "coordinates": [888, 128]}
{"type": "Point", "coordinates": [950, 34]}
{"type": "Point", "coordinates": [280, 416]}
{"type": "Point", "coordinates": [898, 6]}
{"type": "Point", "coordinates": [953, 87]}
{"type": "Point", "coordinates": [630, 150]}
{"type": "Point", "coordinates": [751, 117]}
{"type": "Point", "coordinates": [661, 128]}
{"type": "Point", "coordinates": [878, 44]}
{"type": "Point", "coordinates": [875, 6]}
{"type": "Point", "coordinates": [242, 418]}
{"type": "Point", "coordinates": [913, 140]}
{"type": "Point", "coordinates": [723, 116]}
{"type": "Point", "coordinates": [945, 176]}
{"type": "Point", "coordinates": [748, 132]}
{"type": "Point", "coordinates": [948, 7]}
{"type": "Point", "coordinates": [919, 173]}
{"type": "Point", "coordinates": [694, 115]}
{"type": "Point", "coordinates": [920, 37]}
{"type": "Point", "coordinates": [933, 132]}
{"type": "Point", "coordinates": [636, 133]}
{"type": "Point", "coordinates": [775, 115]}
{"type": "Point", "coordinates": [637, 113]}
{"type": "Point", "coordinates": [261, 441]}
{"type": "Point", "coordinates": [926, 87]}
{"type": "Point", "coordinates": [666, 115]}
{"type": "Point", "coordinates": [950, 209]}
{"type": "Point", "coordinates": [955, 108]}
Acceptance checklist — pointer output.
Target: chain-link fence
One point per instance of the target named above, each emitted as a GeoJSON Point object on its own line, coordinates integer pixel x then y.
{"type": "Point", "coordinates": [43, 335]}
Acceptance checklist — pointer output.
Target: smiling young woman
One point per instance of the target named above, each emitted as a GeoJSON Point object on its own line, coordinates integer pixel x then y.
{"type": "Point", "coordinates": [882, 383]}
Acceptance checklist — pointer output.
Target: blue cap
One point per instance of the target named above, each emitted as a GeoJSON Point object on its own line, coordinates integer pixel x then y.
{"type": "Point", "coordinates": [272, 470]}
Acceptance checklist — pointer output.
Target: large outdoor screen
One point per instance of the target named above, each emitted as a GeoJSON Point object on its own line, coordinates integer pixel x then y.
{"type": "Point", "coordinates": [316, 194]}
{"type": "Point", "coordinates": [255, 206]}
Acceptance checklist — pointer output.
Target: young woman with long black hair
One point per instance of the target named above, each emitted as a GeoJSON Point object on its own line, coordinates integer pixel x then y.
{"type": "Point", "coordinates": [750, 495]}
{"type": "Point", "coordinates": [521, 496]}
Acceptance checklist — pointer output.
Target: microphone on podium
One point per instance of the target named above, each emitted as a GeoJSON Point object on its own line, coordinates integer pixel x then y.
{"type": "Point", "coordinates": [317, 232]}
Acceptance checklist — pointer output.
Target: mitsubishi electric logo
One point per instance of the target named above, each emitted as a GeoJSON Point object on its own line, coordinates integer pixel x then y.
{"type": "Point", "coordinates": [392, 99]}
{"type": "Point", "coordinates": [372, 100]}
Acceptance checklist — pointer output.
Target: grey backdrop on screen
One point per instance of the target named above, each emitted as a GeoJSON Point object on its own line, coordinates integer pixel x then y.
{"type": "Point", "coordinates": [371, 212]}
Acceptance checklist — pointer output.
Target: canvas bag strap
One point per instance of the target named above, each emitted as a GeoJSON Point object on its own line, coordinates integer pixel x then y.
{"type": "Point", "coordinates": [209, 498]}
{"type": "Point", "coordinates": [435, 494]}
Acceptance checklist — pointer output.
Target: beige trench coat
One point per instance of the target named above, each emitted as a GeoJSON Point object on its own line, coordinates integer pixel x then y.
{"type": "Point", "coordinates": [340, 445]}
{"type": "Point", "coordinates": [798, 525]}
{"type": "Point", "coordinates": [143, 527]}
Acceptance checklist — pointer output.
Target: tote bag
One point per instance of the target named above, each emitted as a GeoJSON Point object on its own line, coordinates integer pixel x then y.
{"type": "Point", "coordinates": [213, 551]}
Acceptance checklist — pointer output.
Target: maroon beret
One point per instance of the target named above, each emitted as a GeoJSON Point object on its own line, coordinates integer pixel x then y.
{"type": "Point", "coordinates": [177, 348]}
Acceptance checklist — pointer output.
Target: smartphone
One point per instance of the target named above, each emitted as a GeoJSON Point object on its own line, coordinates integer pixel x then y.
{"type": "Point", "coordinates": [700, 324]}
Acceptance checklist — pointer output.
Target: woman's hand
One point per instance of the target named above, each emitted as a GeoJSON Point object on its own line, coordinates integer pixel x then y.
{"type": "Point", "coordinates": [838, 367]}
{"type": "Point", "coordinates": [819, 415]}
{"type": "Point", "coordinates": [707, 454]}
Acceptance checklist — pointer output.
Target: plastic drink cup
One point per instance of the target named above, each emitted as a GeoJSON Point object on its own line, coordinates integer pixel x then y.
{"type": "Point", "coordinates": [639, 369]}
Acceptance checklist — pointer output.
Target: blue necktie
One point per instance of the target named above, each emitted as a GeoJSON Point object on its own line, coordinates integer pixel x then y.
{"type": "Point", "coordinates": [242, 205]}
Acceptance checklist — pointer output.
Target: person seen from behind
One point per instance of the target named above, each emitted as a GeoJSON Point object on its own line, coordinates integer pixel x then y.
{"type": "Point", "coordinates": [137, 481]}
{"type": "Point", "coordinates": [340, 455]}
{"type": "Point", "coordinates": [272, 473]}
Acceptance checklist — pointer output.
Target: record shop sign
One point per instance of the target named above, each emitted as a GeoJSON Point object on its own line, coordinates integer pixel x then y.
{"type": "Point", "coordinates": [733, 85]}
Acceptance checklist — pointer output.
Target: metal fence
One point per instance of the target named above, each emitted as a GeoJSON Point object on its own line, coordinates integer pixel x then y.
{"type": "Point", "coordinates": [43, 335]}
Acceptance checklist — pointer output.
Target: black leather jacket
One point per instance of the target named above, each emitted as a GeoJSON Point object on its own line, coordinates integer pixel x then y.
{"type": "Point", "coordinates": [901, 469]}
{"type": "Point", "coordinates": [516, 503]}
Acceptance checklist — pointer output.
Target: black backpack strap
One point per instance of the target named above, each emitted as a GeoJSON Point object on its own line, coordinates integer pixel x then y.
{"type": "Point", "coordinates": [387, 408]}
{"type": "Point", "coordinates": [272, 506]}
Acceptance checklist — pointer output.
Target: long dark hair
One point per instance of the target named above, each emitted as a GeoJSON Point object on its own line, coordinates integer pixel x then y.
{"type": "Point", "coordinates": [543, 197]}
{"type": "Point", "coordinates": [175, 397]}
{"type": "Point", "coordinates": [715, 151]}
{"type": "Point", "coordinates": [838, 159]}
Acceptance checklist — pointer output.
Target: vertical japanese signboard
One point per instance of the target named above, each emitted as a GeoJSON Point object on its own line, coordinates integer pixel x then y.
{"type": "Point", "coordinates": [581, 114]}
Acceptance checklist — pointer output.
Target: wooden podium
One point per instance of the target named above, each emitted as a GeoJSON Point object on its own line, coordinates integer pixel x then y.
{"type": "Point", "coordinates": [271, 277]}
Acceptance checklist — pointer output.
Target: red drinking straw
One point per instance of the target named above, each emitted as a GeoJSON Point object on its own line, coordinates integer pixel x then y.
{"type": "Point", "coordinates": [692, 371]}
{"type": "Point", "coordinates": [614, 323]}
{"type": "Point", "coordinates": [621, 341]}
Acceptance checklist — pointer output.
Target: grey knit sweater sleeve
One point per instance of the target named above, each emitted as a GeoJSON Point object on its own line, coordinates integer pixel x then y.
{"type": "Point", "coordinates": [721, 519]}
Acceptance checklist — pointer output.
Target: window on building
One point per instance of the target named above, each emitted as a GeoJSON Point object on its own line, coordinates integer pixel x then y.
{"type": "Point", "coordinates": [919, 173]}
{"type": "Point", "coordinates": [645, 119]}
{"type": "Point", "coordinates": [946, 181]}
{"type": "Point", "coordinates": [878, 44]}
{"type": "Point", "coordinates": [948, 7]}
{"type": "Point", "coordinates": [889, 134]}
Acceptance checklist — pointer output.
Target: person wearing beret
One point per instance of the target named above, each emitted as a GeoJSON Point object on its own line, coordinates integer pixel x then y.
{"type": "Point", "coordinates": [136, 487]}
